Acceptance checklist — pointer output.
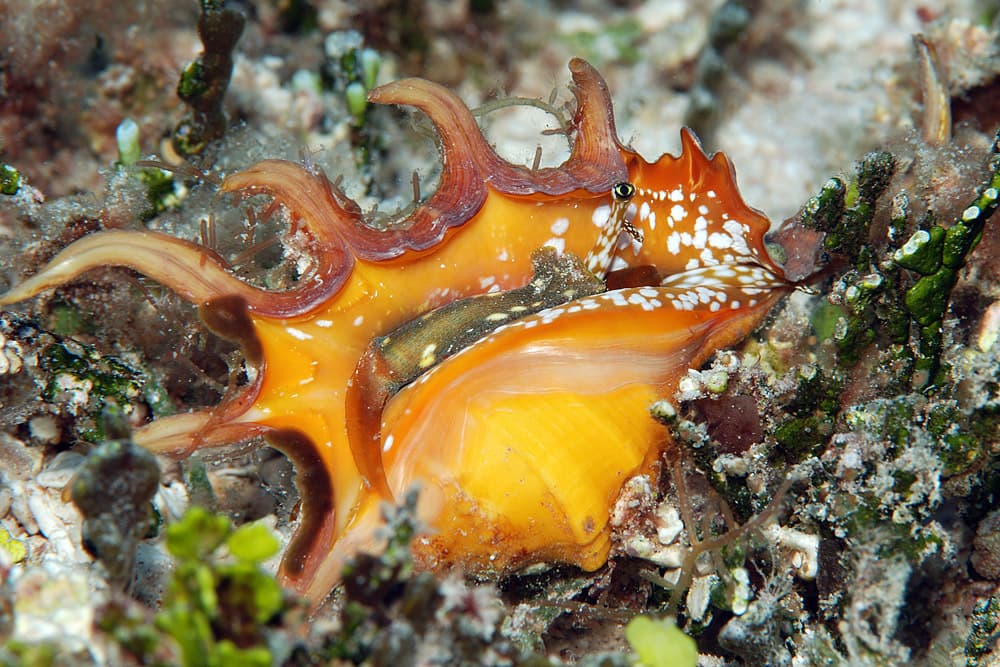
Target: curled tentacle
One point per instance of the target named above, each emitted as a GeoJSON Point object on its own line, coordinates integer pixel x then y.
{"type": "Point", "coordinates": [594, 164]}
{"type": "Point", "coordinates": [337, 222]}
{"type": "Point", "coordinates": [470, 168]}
{"type": "Point", "coordinates": [596, 156]}
{"type": "Point", "coordinates": [467, 162]}
{"type": "Point", "coordinates": [323, 212]}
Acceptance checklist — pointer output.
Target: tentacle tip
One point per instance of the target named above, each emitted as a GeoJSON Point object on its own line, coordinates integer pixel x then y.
{"type": "Point", "coordinates": [399, 92]}
{"type": "Point", "coordinates": [583, 72]}
{"type": "Point", "coordinates": [28, 289]}
{"type": "Point", "coordinates": [375, 95]}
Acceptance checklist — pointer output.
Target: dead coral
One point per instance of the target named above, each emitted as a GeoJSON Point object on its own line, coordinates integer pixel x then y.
{"type": "Point", "coordinates": [986, 556]}
{"type": "Point", "coordinates": [113, 490]}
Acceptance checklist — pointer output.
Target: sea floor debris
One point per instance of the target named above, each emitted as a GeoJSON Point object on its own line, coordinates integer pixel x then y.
{"type": "Point", "coordinates": [880, 410]}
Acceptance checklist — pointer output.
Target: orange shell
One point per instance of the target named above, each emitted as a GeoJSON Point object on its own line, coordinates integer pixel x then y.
{"type": "Point", "coordinates": [522, 441]}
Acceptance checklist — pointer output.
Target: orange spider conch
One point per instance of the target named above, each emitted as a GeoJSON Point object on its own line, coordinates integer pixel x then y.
{"type": "Point", "coordinates": [522, 435]}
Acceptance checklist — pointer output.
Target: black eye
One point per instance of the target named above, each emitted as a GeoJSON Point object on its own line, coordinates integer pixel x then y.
{"type": "Point", "coordinates": [623, 191]}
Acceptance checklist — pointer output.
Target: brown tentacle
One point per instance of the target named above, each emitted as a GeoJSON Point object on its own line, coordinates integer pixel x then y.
{"type": "Point", "coordinates": [317, 527]}
{"type": "Point", "coordinates": [594, 165]}
{"type": "Point", "coordinates": [324, 212]}
{"type": "Point", "coordinates": [469, 165]}
{"type": "Point", "coordinates": [196, 273]}
{"type": "Point", "coordinates": [371, 387]}
{"type": "Point", "coordinates": [178, 436]}
{"type": "Point", "coordinates": [337, 224]}
{"type": "Point", "coordinates": [596, 157]}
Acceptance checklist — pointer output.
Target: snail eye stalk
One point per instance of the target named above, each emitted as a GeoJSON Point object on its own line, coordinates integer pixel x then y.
{"type": "Point", "coordinates": [623, 191]}
{"type": "Point", "coordinates": [621, 194]}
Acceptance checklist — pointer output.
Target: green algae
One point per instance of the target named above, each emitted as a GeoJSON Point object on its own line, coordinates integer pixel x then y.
{"type": "Point", "coordinates": [660, 643]}
{"type": "Point", "coordinates": [203, 82]}
{"type": "Point", "coordinates": [983, 627]}
{"type": "Point", "coordinates": [844, 212]}
{"type": "Point", "coordinates": [10, 179]}
{"type": "Point", "coordinates": [216, 608]}
{"type": "Point", "coordinates": [91, 381]}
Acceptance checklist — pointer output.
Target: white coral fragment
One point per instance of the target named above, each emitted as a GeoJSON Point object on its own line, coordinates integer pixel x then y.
{"type": "Point", "coordinates": [803, 549]}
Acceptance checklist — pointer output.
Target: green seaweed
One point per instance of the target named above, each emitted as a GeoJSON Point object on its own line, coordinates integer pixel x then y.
{"type": "Point", "coordinates": [216, 608]}
{"type": "Point", "coordinates": [845, 213]}
{"type": "Point", "coordinates": [800, 437]}
{"type": "Point", "coordinates": [824, 210]}
{"type": "Point", "coordinates": [160, 185]}
{"type": "Point", "coordinates": [983, 628]}
{"type": "Point", "coordinates": [961, 439]}
{"type": "Point", "coordinates": [10, 179]}
{"type": "Point", "coordinates": [203, 82]}
{"type": "Point", "coordinates": [869, 306]}
{"type": "Point", "coordinates": [660, 643]}
{"type": "Point", "coordinates": [937, 255]}
{"type": "Point", "coordinates": [198, 484]}
{"type": "Point", "coordinates": [97, 383]}
{"type": "Point", "coordinates": [219, 604]}
{"type": "Point", "coordinates": [351, 70]}
{"type": "Point", "coordinates": [881, 302]}
{"type": "Point", "coordinates": [813, 411]}
{"type": "Point", "coordinates": [161, 191]}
